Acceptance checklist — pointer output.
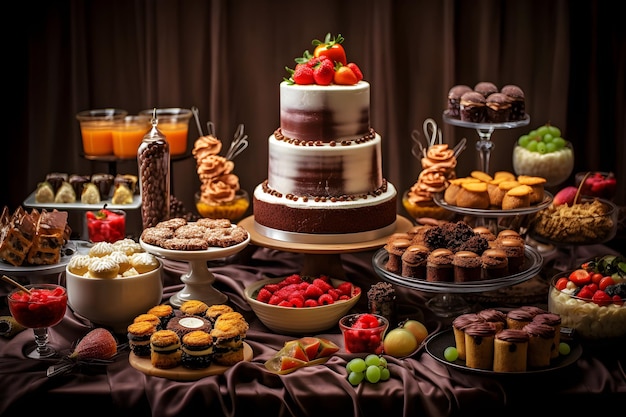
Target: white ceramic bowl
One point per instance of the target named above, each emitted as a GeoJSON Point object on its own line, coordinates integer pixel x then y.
{"type": "Point", "coordinates": [302, 320]}
{"type": "Point", "coordinates": [114, 302]}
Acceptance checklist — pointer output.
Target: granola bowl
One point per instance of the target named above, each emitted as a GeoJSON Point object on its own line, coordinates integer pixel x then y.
{"type": "Point", "coordinates": [590, 221]}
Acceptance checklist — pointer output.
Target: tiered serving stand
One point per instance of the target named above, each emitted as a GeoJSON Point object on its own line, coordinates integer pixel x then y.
{"type": "Point", "coordinates": [448, 300]}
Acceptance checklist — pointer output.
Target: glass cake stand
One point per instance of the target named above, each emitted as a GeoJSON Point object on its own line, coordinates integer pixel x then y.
{"type": "Point", "coordinates": [199, 280]}
{"type": "Point", "coordinates": [321, 258]}
{"type": "Point", "coordinates": [448, 301]}
{"type": "Point", "coordinates": [485, 145]}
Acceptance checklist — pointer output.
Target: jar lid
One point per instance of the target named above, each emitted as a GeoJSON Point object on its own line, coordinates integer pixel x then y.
{"type": "Point", "coordinates": [154, 133]}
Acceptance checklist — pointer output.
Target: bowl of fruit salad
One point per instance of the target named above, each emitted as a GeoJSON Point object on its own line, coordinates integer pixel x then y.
{"type": "Point", "coordinates": [300, 305]}
{"type": "Point", "coordinates": [543, 152]}
{"type": "Point", "coordinates": [590, 299]}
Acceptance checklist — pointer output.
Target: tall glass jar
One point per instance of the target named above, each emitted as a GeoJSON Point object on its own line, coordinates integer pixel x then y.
{"type": "Point", "coordinates": [153, 159]}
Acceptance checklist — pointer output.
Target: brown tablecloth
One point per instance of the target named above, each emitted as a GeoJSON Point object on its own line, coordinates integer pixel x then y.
{"type": "Point", "coordinates": [419, 385]}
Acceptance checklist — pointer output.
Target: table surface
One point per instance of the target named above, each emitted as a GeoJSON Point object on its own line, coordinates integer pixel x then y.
{"type": "Point", "coordinates": [419, 385]}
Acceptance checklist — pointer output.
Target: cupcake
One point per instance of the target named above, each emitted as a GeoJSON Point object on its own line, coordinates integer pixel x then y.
{"type": "Point", "coordinates": [216, 310]}
{"type": "Point", "coordinates": [518, 101]}
{"type": "Point", "coordinates": [165, 349]}
{"type": "Point", "coordinates": [395, 248]}
{"type": "Point", "coordinates": [541, 340]}
{"type": "Point", "coordinates": [194, 308]}
{"type": "Point", "coordinates": [228, 333]}
{"type": "Point", "coordinates": [414, 261]}
{"type": "Point", "coordinates": [479, 345]}
{"type": "Point", "coordinates": [518, 318]}
{"type": "Point", "coordinates": [485, 88]}
{"type": "Point", "coordinates": [497, 108]}
{"type": "Point", "coordinates": [454, 99]}
{"type": "Point", "coordinates": [467, 266]}
{"type": "Point", "coordinates": [139, 334]}
{"type": "Point", "coordinates": [104, 267]}
{"type": "Point", "coordinates": [459, 324]}
{"type": "Point", "coordinates": [381, 300]}
{"type": "Point", "coordinates": [536, 184]}
{"type": "Point", "coordinates": [164, 312]}
{"type": "Point", "coordinates": [486, 233]}
{"type": "Point", "coordinates": [515, 253]}
{"type": "Point", "coordinates": [473, 195]}
{"type": "Point", "coordinates": [495, 264]}
{"type": "Point", "coordinates": [517, 198]}
{"type": "Point", "coordinates": [472, 107]}
{"type": "Point", "coordinates": [439, 266]}
{"type": "Point", "coordinates": [197, 350]}
{"type": "Point", "coordinates": [510, 350]}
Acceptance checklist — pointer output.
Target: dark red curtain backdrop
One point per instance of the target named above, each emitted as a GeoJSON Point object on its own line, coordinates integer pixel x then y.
{"type": "Point", "coordinates": [227, 57]}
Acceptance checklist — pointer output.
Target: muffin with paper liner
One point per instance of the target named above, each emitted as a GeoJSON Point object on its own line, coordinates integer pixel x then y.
{"type": "Point", "coordinates": [220, 196]}
{"type": "Point", "coordinates": [438, 162]}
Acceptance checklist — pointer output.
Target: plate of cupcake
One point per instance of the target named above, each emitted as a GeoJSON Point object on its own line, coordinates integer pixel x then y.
{"type": "Point", "coordinates": [524, 340]}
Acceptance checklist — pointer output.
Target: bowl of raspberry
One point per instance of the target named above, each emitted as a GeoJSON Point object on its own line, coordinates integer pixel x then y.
{"type": "Point", "coordinates": [300, 305]}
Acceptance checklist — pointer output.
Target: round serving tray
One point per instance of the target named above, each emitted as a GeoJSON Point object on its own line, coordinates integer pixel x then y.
{"type": "Point", "coordinates": [547, 200]}
{"type": "Point", "coordinates": [484, 126]}
{"type": "Point", "coordinates": [532, 266]}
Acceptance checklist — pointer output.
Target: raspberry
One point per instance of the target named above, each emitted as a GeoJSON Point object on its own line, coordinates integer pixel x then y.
{"type": "Point", "coordinates": [313, 291]}
{"type": "Point", "coordinates": [297, 301]}
{"type": "Point", "coordinates": [292, 279]}
{"type": "Point", "coordinates": [274, 300]}
{"type": "Point", "coordinates": [310, 302]}
{"type": "Point", "coordinates": [333, 293]}
{"type": "Point", "coordinates": [263, 295]}
{"type": "Point", "coordinates": [271, 287]}
{"type": "Point", "coordinates": [285, 303]}
{"type": "Point", "coordinates": [325, 299]}
{"type": "Point", "coordinates": [322, 284]}
{"type": "Point", "coordinates": [345, 288]}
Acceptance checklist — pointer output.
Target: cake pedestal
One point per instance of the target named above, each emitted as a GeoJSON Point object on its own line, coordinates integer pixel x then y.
{"type": "Point", "coordinates": [321, 258]}
{"type": "Point", "coordinates": [199, 280]}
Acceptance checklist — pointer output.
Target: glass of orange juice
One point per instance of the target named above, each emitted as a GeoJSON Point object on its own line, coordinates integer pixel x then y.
{"type": "Point", "coordinates": [174, 124]}
{"type": "Point", "coordinates": [128, 133]}
{"type": "Point", "coordinates": [96, 127]}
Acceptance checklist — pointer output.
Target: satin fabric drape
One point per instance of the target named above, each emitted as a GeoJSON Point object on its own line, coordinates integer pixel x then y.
{"type": "Point", "coordinates": [228, 57]}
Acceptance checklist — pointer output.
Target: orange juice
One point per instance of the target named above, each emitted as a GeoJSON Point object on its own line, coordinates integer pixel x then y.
{"type": "Point", "coordinates": [128, 134]}
{"type": "Point", "coordinates": [176, 135]}
{"type": "Point", "coordinates": [97, 137]}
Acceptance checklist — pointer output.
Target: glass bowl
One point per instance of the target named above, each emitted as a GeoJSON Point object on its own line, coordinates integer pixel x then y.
{"type": "Point", "coordinates": [597, 184]}
{"type": "Point", "coordinates": [555, 167]}
{"type": "Point", "coordinates": [231, 210]}
{"type": "Point", "coordinates": [591, 320]}
{"type": "Point", "coordinates": [358, 338]}
{"type": "Point", "coordinates": [591, 221]}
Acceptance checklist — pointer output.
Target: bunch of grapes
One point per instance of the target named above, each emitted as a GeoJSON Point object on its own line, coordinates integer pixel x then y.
{"type": "Point", "coordinates": [545, 139]}
{"type": "Point", "coordinates": [372, 368]}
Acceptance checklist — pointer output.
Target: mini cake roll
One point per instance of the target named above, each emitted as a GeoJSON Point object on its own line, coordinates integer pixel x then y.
{"type": "Point", "coordinates": [228, 333]}
{"type": "Point", "coordinates": [459, 324]}
{"type": "Point", "coordinates": [395, 248]}
{"type": "Point", "coordinates": [510, 351]}
{"type": "Point", "coordinates": [541, 339]}
{"type": "Point", "coordinates": [494, 316]}
{"type": "Point", "coordinates": [518, 318]}
{"type": "Point", "coordinates": [553, 320]}
{"type": "Point", "coordinates": [197, 350]}
{"type": "Point", "coordinates": [479, 342]}
{"type": "Point", "coordinates": [165, 349]}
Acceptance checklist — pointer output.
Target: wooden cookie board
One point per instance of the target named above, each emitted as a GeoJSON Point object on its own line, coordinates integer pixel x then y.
{"type": "Point", "coordinates": [180, 373]}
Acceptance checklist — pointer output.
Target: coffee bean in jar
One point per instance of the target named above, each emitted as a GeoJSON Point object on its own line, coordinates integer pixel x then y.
{"type": "Point", "coordinates": [153, 159]}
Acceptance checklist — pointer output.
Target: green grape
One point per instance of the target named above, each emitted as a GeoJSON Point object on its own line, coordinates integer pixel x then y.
{"type": "Point", "coordinates": [550, 147]}
{"type": "Point", "coordinates": [564, 348]}
{"type": "Point", "coordinates": [385, 374]}
{"type": "Point", "coordinates": [532, 146]}
{"type": "Point", "coordinates": [558, 142]}
{"type": "Point", "coordinates": [355, 378]}
{"type": "Point", "coordinates": [451, 354]}
{"type": "Point", "coordinates": [541, 147]}
{"type": "Point", "coordinates": [372, 374]}
{"type": "Point", "coordinates": [533, 133]}
{"type": "Point", "coordinates": [555, 131]}
{"type": "Point", "coordinates": [383, 362]}
{"type": "Point", "coordinates": [541, 131]}
{"type": "Point", "coordinates": [523, 140]}
{"type": "Point", "coordinates": [372, 360]}
{"type": "Point", "coordinates": [356, 365]}
{"type": "Point", "coordinates": [547, 138]}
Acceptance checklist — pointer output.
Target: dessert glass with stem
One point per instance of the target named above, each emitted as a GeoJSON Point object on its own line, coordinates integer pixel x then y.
{"type": "Point", "coordinates": [39, 308]}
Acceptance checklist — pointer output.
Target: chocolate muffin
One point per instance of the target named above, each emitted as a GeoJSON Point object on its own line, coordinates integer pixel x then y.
{"type": "Point", "coordinates": [439, 266]}
{"type": "Point", "coordinates": [472, 107]}
{"type": "Point", "coordinates": [498, 108]}
{"type": "Point", "coordinates": [495, 264]}
{"type": "Point", "coordinates": [518, 101]}
{"type": "Point", "coordinates": [485, 88]}
{"type": "Point", "coordinates": [454, 99]}
{"type": "Point", "coordinates": [467, 266]}
{"type": "Point", "coordinates": [414, 261]}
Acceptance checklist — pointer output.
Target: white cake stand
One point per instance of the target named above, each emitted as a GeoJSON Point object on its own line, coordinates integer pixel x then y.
{"type": "Point", "coordinates": [321, 258]}
{"type": "Point", "coordinates": [199, 280]}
